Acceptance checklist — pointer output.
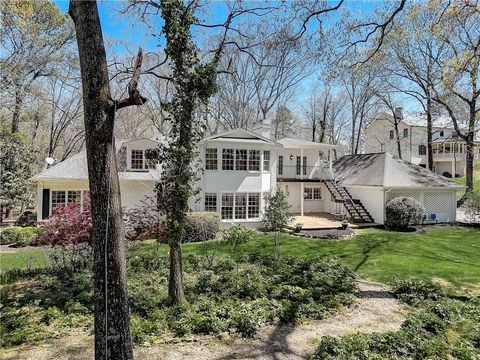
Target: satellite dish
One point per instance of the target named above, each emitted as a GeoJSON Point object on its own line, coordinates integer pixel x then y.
{"type": "Point", "coordinates": [49, 160]}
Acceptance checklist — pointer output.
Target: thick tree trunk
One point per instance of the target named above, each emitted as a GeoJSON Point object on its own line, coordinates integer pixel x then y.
{"type": "Point", "coordinates": [175, 284]}
{"type": "Point", "coordinates": [397, 136]}
{"type": "Point", "coordinates": [112, 329]}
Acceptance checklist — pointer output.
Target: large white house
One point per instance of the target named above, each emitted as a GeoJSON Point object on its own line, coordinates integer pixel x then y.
{"type": "Point", "coordinates": [448, 149]}
{"type": "Point", "coordinates": [240, 166]}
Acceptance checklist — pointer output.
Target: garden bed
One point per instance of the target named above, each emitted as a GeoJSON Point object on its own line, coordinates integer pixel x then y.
{"type": "Point", "coordinates": [223, 296]}
{"type": "Point", "coordinates": [327, 233]}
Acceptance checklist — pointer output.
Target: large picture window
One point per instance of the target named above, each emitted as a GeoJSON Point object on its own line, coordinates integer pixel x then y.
{"type": "Point", "coordinates": [241, 160]}
{"type": "Point", "coordinates": [211, 202]}
{"type": "Point", "coordinates": [58, 198]}
{"type": "Point", "coordinates": [241, 206]}
{"type": "Point", "coordinates": [211, 159]}
{"type": "Point", "coordinates": [228, 159]}
{"type": "Point", "coordinates": [254, 160]}
{"type": "Point", "coordinates": [253, 205]}
{"type": "Point", "coordinates": [227, 206]}
{"type": "Point", "coordinates": [63, 197]}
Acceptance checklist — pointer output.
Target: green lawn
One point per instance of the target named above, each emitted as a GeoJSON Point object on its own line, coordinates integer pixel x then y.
{"type": "Point", "coordinates": [476, 178]}
{"type": "Point", "coordinates": [24, 259]}
{"type": "Point", "coordinates": [444, 252]}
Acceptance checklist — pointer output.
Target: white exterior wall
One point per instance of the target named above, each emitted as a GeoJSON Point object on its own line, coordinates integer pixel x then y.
{"type": "Point", "coordinates": [132, 192]}
{"type": "Point", "coordinates": [140, 144]}
{"type": "Point", "coordinates": [372, 198]}
{"type": "Point", "coordinates": [442, 202]}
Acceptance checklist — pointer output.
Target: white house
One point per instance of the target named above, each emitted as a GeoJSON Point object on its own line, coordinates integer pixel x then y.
{"type": "Point", "coordinates": [448, 149]}
{"type": "Point", "coordinates": [240, 166]}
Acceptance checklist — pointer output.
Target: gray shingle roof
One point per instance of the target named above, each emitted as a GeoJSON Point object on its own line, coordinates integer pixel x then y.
{"type": "Point", "coordinates": [386, 170]}
{"type": "Point", "coordinates": [75, 168]}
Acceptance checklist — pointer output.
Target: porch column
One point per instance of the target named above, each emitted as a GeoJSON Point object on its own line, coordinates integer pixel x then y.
{"type": "Point", "coordinates": [302, 191]}
{"type": "Point", "coordinates": [330, 158]}
{"type": "Point", "coordinates": [301, 167]}
{"type": "Point", "coordinates": [453, 168]}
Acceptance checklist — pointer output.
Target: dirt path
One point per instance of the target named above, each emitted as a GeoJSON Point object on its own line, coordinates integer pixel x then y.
{"type": "Point", "coordinates": [375, 311]}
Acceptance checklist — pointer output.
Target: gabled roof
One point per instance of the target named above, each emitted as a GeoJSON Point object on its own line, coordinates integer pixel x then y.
{"type": "Point", "coordinates": [240, 134]}
{"type": "Point", "coordinates": [296, 143]}
{"type": "Point", "coordinates": [418, 119]}
{"type": "Point", "coordinates": [388, 171]}
{"type": "Point", "coordinates": [75, 168]}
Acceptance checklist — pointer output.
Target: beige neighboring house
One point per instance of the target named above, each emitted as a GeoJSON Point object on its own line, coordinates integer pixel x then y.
{"type": "Point", "coordinates": [448, 149]}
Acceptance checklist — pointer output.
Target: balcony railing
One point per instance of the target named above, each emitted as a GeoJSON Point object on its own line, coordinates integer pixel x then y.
{"type": "Point", "coordinates": [304, 173]}
{"type": "Point", "coordinates": [452, 156]}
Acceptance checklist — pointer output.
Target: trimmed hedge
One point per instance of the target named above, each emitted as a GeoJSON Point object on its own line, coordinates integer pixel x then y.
{"type": "Point", "coordinates": [19, 236]}
{"type": "Point", "coordinates": [401, 212]}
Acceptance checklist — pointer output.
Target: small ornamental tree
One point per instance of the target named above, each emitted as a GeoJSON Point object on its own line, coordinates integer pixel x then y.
{"type": "Point", "coordinates": [144, 222]}
{"type": "Point", "coordinates": [401, 212]}
{"type": "Point", "coordinates": [69, 232]}
{"type": "Point", "coordinates": [276, 215]}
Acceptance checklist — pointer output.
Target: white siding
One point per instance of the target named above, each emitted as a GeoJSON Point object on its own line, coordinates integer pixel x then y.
{"type": "Point", "coordinates": [372, 200]}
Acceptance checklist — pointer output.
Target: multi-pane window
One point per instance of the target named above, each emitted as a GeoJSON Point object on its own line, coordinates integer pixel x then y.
{"type": "Point", "coordinates": [58, 198]}
{"type": "Point", "coordinates": [391, 134]}
{"type": "Point", "coordinates": [299, 165]}
{"type": "Point", "coordinates": [227, 206]}
{"type": "Point", "coordinates": [422, 150]}
{"type": "Point", "coordinates": [304, 167]}
{"type": "Point", "coordinates": [314, 193]}
{"type": "Point", "coordinates": [137, 159]}
{"type": "Point", "coordinates": [228, 159]}
{"type": "Point", "coordinates": [211, 159]}
{"type": "Point", "coordinates": [266, 160]}
{"type": "Point", "coordinates": [253, 205]}
{"type": "Point", "coordinates": [240, 206]}
{"type": "Point", "coordinates": [280, 165]}
{"type": "Point", "coordinates": [74, 196]}
{"type": "Point", "coordinates": [405, 133]}
{"type": "Point", "coordinates": [211, 202]}
{"type": "Point", "coordinates": [254, 160]}
{"type": "Point", "coordinates": [241, 160]}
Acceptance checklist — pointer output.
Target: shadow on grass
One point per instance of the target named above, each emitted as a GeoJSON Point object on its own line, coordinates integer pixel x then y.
{"type": "Point", "coordinates": [369, 246]}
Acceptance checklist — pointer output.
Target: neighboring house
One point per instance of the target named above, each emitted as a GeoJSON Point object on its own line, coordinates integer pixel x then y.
{"type": "Point", "coordinates": [240, 166]}
{"type": "Point", "coordinates": [448, 149]}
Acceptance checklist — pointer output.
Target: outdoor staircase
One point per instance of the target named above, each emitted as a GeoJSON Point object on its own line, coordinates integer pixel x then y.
{"type": "Point", "coordinates": [355, 208]}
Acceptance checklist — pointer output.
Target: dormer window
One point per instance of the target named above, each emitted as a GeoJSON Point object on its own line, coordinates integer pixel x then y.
{"type": "Point", "coordinates": [139, 161]}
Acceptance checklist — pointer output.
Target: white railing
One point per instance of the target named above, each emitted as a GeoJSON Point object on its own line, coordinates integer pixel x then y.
{"type": "Point", "coordinates": [304, 173]}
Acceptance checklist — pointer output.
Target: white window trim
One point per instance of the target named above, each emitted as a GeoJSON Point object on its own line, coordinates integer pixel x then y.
{"type": "Point", "coordinates": [144, 160]}
{"type": "Point", "coordinates": [247, 193]}
{"type": "Point", "coordinates": [82, 194]}
{"type": "Point", "coordinates": [248, 170]}
{"type": "Point", "coordinates": [313, 187]}
{"type": "Point", "coordinates": [219, 158]}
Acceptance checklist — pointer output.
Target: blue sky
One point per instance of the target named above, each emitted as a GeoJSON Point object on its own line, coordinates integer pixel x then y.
{"type": "Point", "coordinates": [124, 34]}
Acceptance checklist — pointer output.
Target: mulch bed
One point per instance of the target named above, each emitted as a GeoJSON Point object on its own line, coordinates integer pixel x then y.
{"type": "Point", "coordinates": [327, 234]}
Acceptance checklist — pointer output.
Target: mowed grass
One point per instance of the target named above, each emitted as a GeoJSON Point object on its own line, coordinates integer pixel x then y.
{"type": "Point", "coordinates": [476, 179]}
{"type": "Point", "coordinates": [24, 259]}
{"type": "Point", "coordinates": [447, 253]}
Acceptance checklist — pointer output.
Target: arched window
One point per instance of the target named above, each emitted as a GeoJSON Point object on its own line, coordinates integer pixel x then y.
{"type": "Point", "coordinates": [422, 150]}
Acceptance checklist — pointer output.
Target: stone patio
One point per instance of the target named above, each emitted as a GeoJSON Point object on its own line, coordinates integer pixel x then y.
{"type": "Point", "coordinates": [321, 221]}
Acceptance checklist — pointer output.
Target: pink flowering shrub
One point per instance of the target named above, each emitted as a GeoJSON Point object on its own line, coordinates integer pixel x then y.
{"type": "Point", "coordinates": [68, 225]}
{"type": "Point", "coordinates": [69, 232]}
{"type": "Point", "coordinates": [144, 222]}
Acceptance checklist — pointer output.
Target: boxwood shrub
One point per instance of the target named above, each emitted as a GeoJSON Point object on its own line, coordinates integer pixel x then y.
{"type": "Point", "coordinates": [19, 236]}
{"type": "Point", "coordinates": [401, 212]}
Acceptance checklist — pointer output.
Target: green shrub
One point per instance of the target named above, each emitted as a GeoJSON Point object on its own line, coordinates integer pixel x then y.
{"type": "Point", "coordinates": [27, 218]}
{"type": "Point", "coordinates": [472, 206]}
{"type": "Point", "coordinates": [19, 236]}
{"type": "Point", "coordinates": [237, 236]}
{"type": "Point", "coordinates": [413, 291]}
{"type": "Point", "coordinates": [401, 212]}
{"type": "Point", "coordinates": [201, 226]}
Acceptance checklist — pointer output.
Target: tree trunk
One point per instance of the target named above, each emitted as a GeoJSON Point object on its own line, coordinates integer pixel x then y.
{"type": "Point", "coordinates": [175, 284]}
{"type": "Point", "coordinates": [16, 110]}
{"type": "Point", "coordinates": [429, 133]}
{"type": "Point", "coordinates": [397, 135]}
{"type": "Point", "coordinates": [112, 328]}
{"type": "Point", "coordinates": [470, 148]}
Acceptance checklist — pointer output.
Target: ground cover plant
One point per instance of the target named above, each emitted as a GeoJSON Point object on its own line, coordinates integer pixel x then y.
{"type": "Point", "coordinates": [222, 295]}
{"type": "Point", "coordinates": [446, 253]}
{"type": "Point", "coordinates": [439, 328]}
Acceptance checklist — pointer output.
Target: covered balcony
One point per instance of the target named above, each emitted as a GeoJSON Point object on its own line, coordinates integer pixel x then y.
{"type": "Point", "coordinates": [304, 173]}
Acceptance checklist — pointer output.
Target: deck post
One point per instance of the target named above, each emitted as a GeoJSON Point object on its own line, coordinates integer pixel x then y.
{"type": "Point", "coordinates": [301, 198]}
